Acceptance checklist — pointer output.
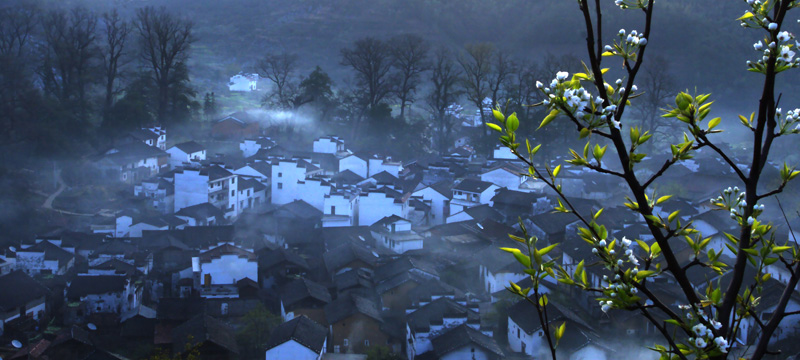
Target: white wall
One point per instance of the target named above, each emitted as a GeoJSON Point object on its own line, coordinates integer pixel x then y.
{"type": "Point", "coordinates": [136, 229]}
{"type": "Point", "coordinates": [229, 269]}
{"type": "Point", "coordinates": [503, 178]}
{"type": "Point", "coordinates": [354, 164]}
{"type": "Point", "coordinates": [375, 206]}
{"type": "Point", "coordinates": [285, 176]}
{"type": "Point", "coordinates": [378, 165]}
{"type": "Point", "coordinates": [251, 173]}
{"type": "Point", "coordinates": [33, 263]}
{"type": "Point", "coordinates": [327, 146]}
{"type": "Point", "coordinates": [191, 188]}
{"type": "Point", "coordinates": [249, 148]}
{"type": "Point", "coordinates": [533, 342]}
{"type": "Point", "coordinates": [313, 192]}
{"type": "Point", "coordinates": [292, 350]}
{"type": "Point", "coordinates": [123, 226]}
{"type": "Point", "coordinates": [437, 204]}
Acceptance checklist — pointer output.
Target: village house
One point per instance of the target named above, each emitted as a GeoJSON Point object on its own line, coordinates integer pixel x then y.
{"type": "Point", "coordinates": [288, 182]}
{"type": "Point", "coordinates": [155, 136]}
{"type": "Point", "coordinates": [211, 184]}
{"type": "Point", "coordinates": [220, 267]}
{"type": "Point", "coordinates": [44, 257]}
{"type": "Point", "coordinates": [250, 147]}
{"type": "Point", "coordinates": [329, 145]}
{"type": "Point", "coordinates": [377, 204]}
{"type": "Point", "coordinates": [299, 339]}
{"type": "Point", "coordinates": [340, 209]}
{"type": "Point", "coordinates": [471, 192]}
{"type": "Point", "coordinates": [356, 163]}
{"type": "Point", "coordinates": [354, 324]}
{"type": "Point", "coordinates": [303, 297]}
{"type": "Point", "coordinates": [212, 338]}
{"type": "Point", "coordinates": [379, 163]}
{"type": "Point", "coordinates": [103, 294]}
{"type": "Point", "coordinates": [279, 266]}
{"type": "Point", "coordinates": [395, 233]}
{"type": "Point", "coordinates": [27, 301]}
{"type": "Point", "coordinates": [163, 222]}
{"type": "Point", "coordinates": [238, 125]}
{"type": "Point", "coordinates": [159, 192]}
{"type": "Point", "coordinates": [439, 195]}
{"type": "Point", "coordinates": [203, 214]}
{"type": "Point", "coordinates": [188, 153]}
{"type": "Point", "coordinates": [132, 162]}
{"type": "Point", "coordinates": [259, 171]}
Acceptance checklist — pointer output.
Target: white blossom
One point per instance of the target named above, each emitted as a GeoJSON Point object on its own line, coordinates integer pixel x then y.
{"type": "Point", "coordinates": [700, 343]}
{"type": "Point", "coordinates": [758, 46]}
{"type": "Point", "coordinates": [772, 26]}
{"type": "Point", "coordinates": [721, 343]}
{"type": "Point", "coordinates": [700, 330]}
{"type": "Point", "coordinates": [562, 75]}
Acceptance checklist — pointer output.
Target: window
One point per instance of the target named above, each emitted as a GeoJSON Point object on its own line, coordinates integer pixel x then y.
{"type": "Point", "coordinates": [366, 342]}
{"type": "Point", "coordinates": [224, 309]}
{"type": "Point", "coordinates": [233, 192]}
{"type": "Point", "coordinates": [333, 210]}
{"type": "Point", "coordinates": [280, 186]}
{"type": "Point", "coordinates": [280, 174]}
{"type": "Point", "coordinates": [248, 192]}
{"type": "Point", "coordinates": [233, 181]}
{"type": "Point", "coordinates": [346, 342]}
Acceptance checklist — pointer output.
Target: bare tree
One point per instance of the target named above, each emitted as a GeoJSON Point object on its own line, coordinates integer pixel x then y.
{"type": "Point", "coordinates": [372, 60]}
{"type": "Point", "coordinates": [116, 36]}
{"type": "Point", "coordinates": [656, 84]}
{"type": "Point", "coordinates": [410, 54]}
{"type": "Point", "coordinates": [70, 40]}
{"type": "Point", "coordinates": [279, 69]}
{"type": "Point", "coordinates": [445, 74]}
{"type": "Point", "coordinates": [476, 62]}
{"type": "Point", "coordinates": [17, 26]}
{"type": "Point", "coordinates": [165, 41]}
{"type": "Point", "coordinates": [503, 69]}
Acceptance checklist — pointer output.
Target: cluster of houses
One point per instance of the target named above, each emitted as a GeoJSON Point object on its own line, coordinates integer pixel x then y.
{"type": "Point", "coordinates": [351, 250]}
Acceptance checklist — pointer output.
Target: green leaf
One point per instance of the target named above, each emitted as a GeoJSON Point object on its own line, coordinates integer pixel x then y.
{"type": "Point", "coordinates": [549, 118]}
{"type": "Point", "coordinates": [644, 274]}
{"type": "Point", "coordinates": [747, 15]}
{"type": "Point", "coordinates": [494, 127]}
{"type": "Point", "coordinates": [547, 249]}
{"type": "Point", "coordinates": [498, 115]}
{"type": "Point", "coordinates": [512, 124]}
{"type": "Point", "coordinates": [714, 122]}
{"type": "Point", "coordinates": [556, 171]}
{"type": "Point", "coordinates": [663, 198]}
{"type": "Point", "coordinates": [560, 331]}
{"type": "Point", "coordinates": [543, 300]}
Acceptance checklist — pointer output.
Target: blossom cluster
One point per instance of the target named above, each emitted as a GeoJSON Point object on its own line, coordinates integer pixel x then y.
{"type": "Point", "coordinates": [567, 95]}
{"type": "Point", "coordinates": [703, 337]}
{"type": "Point", "coordinates": [734, 201]}
{"type": "Point", "coordinates": [627, 44]}
{"type": "Point", "coordinates": [627, 4]}
{"type": "Point", "coordinates": [782, 49]}
{"type": "Point", "coordinates": [617, 288]}
{"type": "Point", "coordinates": [785, 123]}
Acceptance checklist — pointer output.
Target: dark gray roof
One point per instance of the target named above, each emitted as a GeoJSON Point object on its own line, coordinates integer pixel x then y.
{"type": "Point", "coordinates": [432, 313]}
{"type": "Point", "coordinates": [203, 328]}
{"type": "Point", "coordinates": [472, 186]}
{"type": "Point", "coordinates": [351, 304]}
{"type": "Point", "coordinates": [245, 184]}
{"type": "Point", "coordinates": [201, 211]}
{"type": "Point", "coordinates": [95, 285]}
{"type": "Point", "coordinates": [483, 212]}
{"type": "Point", "coordinates": [133, 152]}
{"type": "Point", "coordinates": [51, 252]}
{"type": "Point", "coordinates": [343, 255]}
{"type": "Point", "coordinates": [190, 147]}
{"type": "Point", "coordinates": [301, 289]}
{"type": "Point", "coordinates": [464, 335]}
{"type": "Point", "coordinates": [180, 309]}
{"type": "Point", "coordinates": [268, 259]}
{"type": "Point", "coordinates": [301, 209]}
{"type": "Point", "coordinates": [301, 329]}
{"type": "Point", "coordinates": [143, 134]}
{"type": "Point", "coordinates": [27, 290]}
{"type": "Point", "coordinates": [215, 172]}
{"type": "Point", "coordinates": [346, 177]}
{"type": "Point", "coordinates": [515, 198]}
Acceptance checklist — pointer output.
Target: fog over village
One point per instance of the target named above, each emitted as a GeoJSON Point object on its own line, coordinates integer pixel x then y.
{"type": "Point", "coordinates": [356, 179]}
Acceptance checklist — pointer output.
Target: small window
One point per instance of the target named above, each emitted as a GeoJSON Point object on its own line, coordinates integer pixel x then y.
{"type": "Point", "coordinates": [233, 192]}
{"type": "Point", "coordinates": [280, 186]}
{"type": "Point", "coordinates": [233, 181]}
{"type": "Point", "coordinates": [280, 174]}
{"type": "Point", "coordinates": [346, 342]}
{"type": "Point", "coordinates": [366, 342]}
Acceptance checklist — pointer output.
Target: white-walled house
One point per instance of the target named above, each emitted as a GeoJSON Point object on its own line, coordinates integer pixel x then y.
{"type": "Point", "coordinates": [378, 204]}
{"type": "Point", "coordinates": [27, 301]}
{"type": "Point", "coordinates": [329, 145]}
{"type": "Point", "coordinates": [357, 164]}
{"type": "Point", "coordinates": [257, 170]}
{"type": "Point", "coordinates": [132, 162]}
{"type": "Point", "coordinates": [203, 214]}
{"type": "Point", "coordinates": [159, 192]}
{"type": "Point", "coordinates": [340, 209]}
{"type": "Point", "coordinates": [378, 164]}
{"type": "Point", "coordinates": [298, 339]}
{"type": "Point", "coordinates": [505, 176]}
{"type": "Point", "coordinates": [250, 147]}
{"type": "Point", "coordinates": [243, 82]}
{"type": "Point", "coordinates": [226, 264]}
{"type": "Point", "coordinates": [211, 184]}
{"type": "Point", "coordinates": [186, 153]}
{"type": "Point", "coordinates": [439, 195]}
{"type": "Point", "coordinates": [104, 293]}
{"type": "Point", "coordinates": [395, 233]}
{"type": "Point", "coordinates": [44, 257]}
{"type": "Point", "coordinates": [471, 192]}
{"type": "Point", "coordinates": [285, 179]}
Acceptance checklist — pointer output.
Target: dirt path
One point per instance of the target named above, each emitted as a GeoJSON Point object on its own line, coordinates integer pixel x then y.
{"type": "Point", "coordinates": [48, 203]}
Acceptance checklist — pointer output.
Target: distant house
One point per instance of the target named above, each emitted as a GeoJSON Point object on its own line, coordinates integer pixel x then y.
{"type": "Point", "coordinates": [329, 145]}
{"type": "Point", "coordinates": [225, 264]}
{"type": "Point", "coordinates": [303, 297]}
{"type": "Point", "coordinates": [235, 126]}
{"type": "Point", "coordinates": [163, 222]}
{"type": "Point", "coordinates": [374, 205]}
{"type": "Point", "coordinates": [298, 339]}
{"type": "Point", "coordinates": [131, 163]}
{"type": "Point", "coordinates": [355, 324]}
{"type": "Point", "coordinates": [186, 153]}
{"type": "Point", "coordinates": [159, 192]}
{"type": "Point", "coordinates": [505, 176]}
{"type": "Point", "coordinates": [277, 267]}
{"type": "Point", "coordinates": [395, 233]}
{"type": "Point", "coordinates": [243, 82]}
{"type": "Point", "coordinates": [349, 256]}
{"type": "Point", "coordinates": [293, 180]}
{"type": "Point", "coordinates": [340, 209]}
{"type": "Point", "coordinates": [258, 170]}
{"type": "Point", "coordinates": [479, 213]}
{"type": "Point", "coordinates": [211, 184]}
{"type": "Point", "coordinates": [154, 136]}
{"type": "Point", "coordinates": [250, 194]}
{"type": "Point", "coordinates": [439, 195]}
{"type": "Point", "coordinates": [465, 342]}
{"type": "Point", "coordinates": [203, 214]}
{"type": "Point", "coordinates": [355, 163]}
{"type": "Point", "coordinates": [44, 257]}
{"type": "Point", "coordinates": [379, 163]}
{"type": "Point", "coordinates": [104, 294]}
{"type": "Point", "coordinates": [471, 192]}
{"type": "Point", "coordinates": [250, 147]}
{"type": "Point", "coordinates": [212, 338]}
{"type": "Point", "coordinates": [23, 297]}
